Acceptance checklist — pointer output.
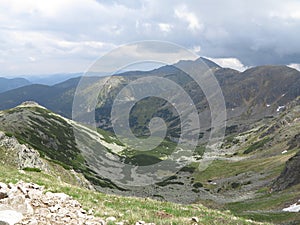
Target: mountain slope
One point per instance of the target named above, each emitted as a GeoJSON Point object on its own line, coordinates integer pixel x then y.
{"type": "Point", "coordinates": [259, 166]}
{"type": "Point", "coordinates": [9, 84]}
{"type": "Point", "coordinates": [290, 176]}
{"type": "Point", "coordinates": [249, 96]}
{"type": "Point", "coordinates": [53, 137]}
{"type": "Point", "coordinates": [58, 98]}
{"type": "Point", "coordinates": [39, 129]}
{"type": "Point", "coordinates": [240, 178]}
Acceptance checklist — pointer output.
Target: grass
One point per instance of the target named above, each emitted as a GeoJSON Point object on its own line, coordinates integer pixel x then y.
{"type": "Point", "coordinates": [109, 137]}
{"type": "Point", "coordinates": [148, 157]}
{"type": "Point", "coordinates": [161, 152]}
{"type": "Point", "coordinates": [256, 145]}
{"type": "Point", "coordinates": [222, 169]}
{"type": "Point", "coordinates": [265, 207]}
{"type": "Point", "coordinates": [127, 209]}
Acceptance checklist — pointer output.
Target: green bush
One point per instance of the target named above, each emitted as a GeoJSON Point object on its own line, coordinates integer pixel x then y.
{"type": "Point", "coordinates": [256, 145]}
{"type": "Point", "coordinates": [8, 134]}
{"type": "Point", "coordinates": [30, 169]}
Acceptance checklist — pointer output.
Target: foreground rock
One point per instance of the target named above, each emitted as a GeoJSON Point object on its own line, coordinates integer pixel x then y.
{"type": "Point", "coordinates": [20, 155]}
{"type": "Point", "coordinates": [290, 176]}
{"type": "Point", "coordinates": [26, 203]}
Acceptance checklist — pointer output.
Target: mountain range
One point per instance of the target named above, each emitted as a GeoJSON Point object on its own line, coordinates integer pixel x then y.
{"type": "Point", "coordinates": [248, 95]}
{"type": "Point", "coordinates": [254, 171]}
{"type": "Point", "coordinates": [7, 84]}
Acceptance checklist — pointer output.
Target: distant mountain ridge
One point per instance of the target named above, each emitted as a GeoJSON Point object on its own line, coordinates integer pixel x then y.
{"type": "Point", "coordinates": [58, 98]}
{"type": "Point", "coordinates": [249, 95]}
{"type": "Point", "coordinates": [7, 84]}
{"type": "Point", "coordinates": [52, 79]}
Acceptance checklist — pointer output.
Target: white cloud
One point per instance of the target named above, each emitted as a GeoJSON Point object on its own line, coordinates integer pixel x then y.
{"type": "Point", "coordinates": [79, 31]}
{"type": "Point", "coordinates": [196, 49]}
{"type": "Point", "coordinates": [182, 13]}
{"type": "Point", "coordinates": [289, 10]}
{"type": "Point", "coordinates": [139, 52]}
{"type": "Point", "coordinates": [32, 59]}
{"type": "Point", "coordinates": [49, 53]}
{"type": "Point", "coordinates": [165, 27]}
{"type": "Point", "coordinates": [232, 63]}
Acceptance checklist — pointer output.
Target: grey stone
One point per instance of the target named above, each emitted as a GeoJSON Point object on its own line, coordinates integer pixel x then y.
{"type": "Point", "coordinates": [40, 208]}
{"type": "Point", "coordinates": [195, 219]}
{"type": "Point", "coordinates": [3, 223]}
{"type": "Point", "coordinates": [3, 195]}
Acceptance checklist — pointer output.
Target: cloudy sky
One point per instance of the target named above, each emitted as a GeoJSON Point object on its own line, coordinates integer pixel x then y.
{"type": "Point", "coordinates": [43, 37]}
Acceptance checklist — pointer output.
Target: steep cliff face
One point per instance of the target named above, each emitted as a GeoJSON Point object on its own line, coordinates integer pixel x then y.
{"type": "Point", "coordinates": [290, 176]}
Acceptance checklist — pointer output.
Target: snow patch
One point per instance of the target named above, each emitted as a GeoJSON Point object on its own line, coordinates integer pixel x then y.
{"type": "Point", "coordinates": [292, 208]}
{"type": "Point", "coordinates": [280, 108]}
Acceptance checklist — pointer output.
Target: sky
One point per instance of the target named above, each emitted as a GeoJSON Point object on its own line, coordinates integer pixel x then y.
{"type": "Point", "coordinates": [64, 36]}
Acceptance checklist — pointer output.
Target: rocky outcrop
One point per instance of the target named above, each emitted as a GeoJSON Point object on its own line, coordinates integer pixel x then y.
{"type": "Point", "coordinates": [22, 155]}
{"type": "Point", "coordinates": [28, 204]}
{"type": "Point", "coordinates": [290, 176]}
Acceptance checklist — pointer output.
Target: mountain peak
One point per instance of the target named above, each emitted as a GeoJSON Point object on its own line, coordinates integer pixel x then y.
{"type": "Point", "coordinates": [208, 62]}
{"type": "Point", "coordinates": [202, 61]}
{"type": "Point", "coordinates": [28, 104]}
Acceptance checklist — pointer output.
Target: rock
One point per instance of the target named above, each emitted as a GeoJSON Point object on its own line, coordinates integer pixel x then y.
{"type": "Point", "coordinates": [33, 222]}
{"type": "Point", "coordinates": [39, 208]}
{"type": "Point", "coordinates": [10, 217]}
{"type": "Point", "coordinates": [3, 223]}
{"type": "Point", "coordinates": [54, 208]}
{"type": "Point", "coordinates": [119, 223]}
{"type": "Point", "coordinates": [290, 176]}
{"type": "Point", "coordinates": [24, 155]}
{"type": "Point", "coordinates": [195, 219]}
{"type": "Point", "coordinates": [3, 186]}
{"type": "Point", "coordinates": [3, 195]}
{"type": "Point", "coordinates": [111, 219]}
{"type": "Point", "coordinates": [140, 222]}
